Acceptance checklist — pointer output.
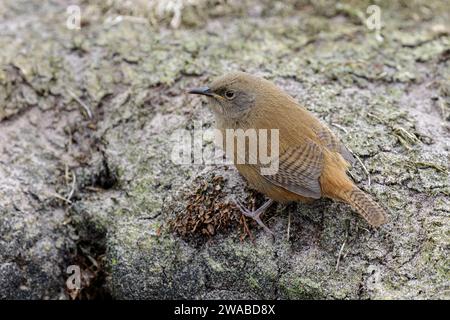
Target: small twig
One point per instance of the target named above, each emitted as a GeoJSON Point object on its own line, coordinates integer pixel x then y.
{"type": "Point", "coordinates": [404, 143]}
{"type": "Point", "coordinates": [339, 255]}
{"type": "Point", "coordinates": [289, 226]}
{"type": "Point", "coordinates": [74, 182]}
{"type": "Point", "coordinates": [424, 164]}
{"type": "Point", "coordinates": [362, 165]}
{"type": "Point", "coordinates": [59, 197]}
{"type": "Point", "coordinates": [95, 189]}
{"type": "Point", "coordinates": [341, 250]}
{"type": "Point", "coordinates": [340, 127]}
{"type": "Point", "coordinates": [376, 117]}
{"type": "Point", "coordinates": [406, 138]}
{"type": "Point", "coordinates": [351, 175]}
{"type": "Point", "coordinates": [246, 229]}
{"type": "Point", "coordinates": [66, 173]}
{"type": "Point", "coordinates": [111, 21]}
{"type": "Point", "coordinates": [147, 217]}
{"type": "Point", "coordinates": [84, 105]}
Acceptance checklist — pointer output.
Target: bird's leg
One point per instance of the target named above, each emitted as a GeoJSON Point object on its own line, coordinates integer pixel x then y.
{"type": "Point", "coordinates": [255, 215]}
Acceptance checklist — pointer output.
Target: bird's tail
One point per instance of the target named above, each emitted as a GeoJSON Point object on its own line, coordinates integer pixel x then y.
{"type": "Point", "coordinates": [365, 206]}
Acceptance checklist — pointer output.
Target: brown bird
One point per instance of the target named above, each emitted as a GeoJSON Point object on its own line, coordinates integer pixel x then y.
{"type": "Point", "coordinates": [312, 162]}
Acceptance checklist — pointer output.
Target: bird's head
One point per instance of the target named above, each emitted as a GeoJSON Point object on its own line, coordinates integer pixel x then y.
{"type": "Point", "coordinates": [233, 95]}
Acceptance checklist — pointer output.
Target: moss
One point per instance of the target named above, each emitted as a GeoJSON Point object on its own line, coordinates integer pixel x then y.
{"type": "Point", "coordinates": [301, 288]}
{"type": "Point", "coordinates": [215, 265]}
{"type": "Point", "coordinates": [253, 283]}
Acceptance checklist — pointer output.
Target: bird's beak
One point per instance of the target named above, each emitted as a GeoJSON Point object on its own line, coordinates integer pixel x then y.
{"type": "Point", "coordinates": [206, 91]}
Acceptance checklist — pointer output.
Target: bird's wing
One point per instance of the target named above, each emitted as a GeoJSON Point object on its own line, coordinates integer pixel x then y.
{"type": "Point", "coordinates": [299, 170]}
{"type": "Point", "coordinates": [330, 141]}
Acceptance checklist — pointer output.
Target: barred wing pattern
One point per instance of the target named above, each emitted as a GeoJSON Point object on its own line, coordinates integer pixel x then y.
{"type": "Point", "coordinates": [299, 170]}
{"type": "Point", "coordinates": [333, 144]}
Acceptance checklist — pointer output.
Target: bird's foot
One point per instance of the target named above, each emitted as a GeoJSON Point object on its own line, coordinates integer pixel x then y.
{"type": "Point", "coordinates": [255, 215]}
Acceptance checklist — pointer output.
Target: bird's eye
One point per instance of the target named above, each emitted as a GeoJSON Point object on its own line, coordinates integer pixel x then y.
{"type": "Point", "coordinates": [230, 94]}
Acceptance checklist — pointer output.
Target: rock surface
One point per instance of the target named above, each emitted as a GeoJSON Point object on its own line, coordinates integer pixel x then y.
{"type": "Point", "coordinates": [87, 119]}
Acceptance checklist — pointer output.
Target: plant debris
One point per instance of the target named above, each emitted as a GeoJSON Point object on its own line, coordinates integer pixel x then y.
{"type": "Point", "coordinates": [207, 212]}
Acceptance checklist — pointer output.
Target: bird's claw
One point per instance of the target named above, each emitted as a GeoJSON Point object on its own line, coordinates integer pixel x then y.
{"type": "Point", "coordinates": [255, 215]}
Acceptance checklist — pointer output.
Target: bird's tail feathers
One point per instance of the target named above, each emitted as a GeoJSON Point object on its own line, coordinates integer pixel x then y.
{"type": "Point", "coordinates": [365, 206]}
